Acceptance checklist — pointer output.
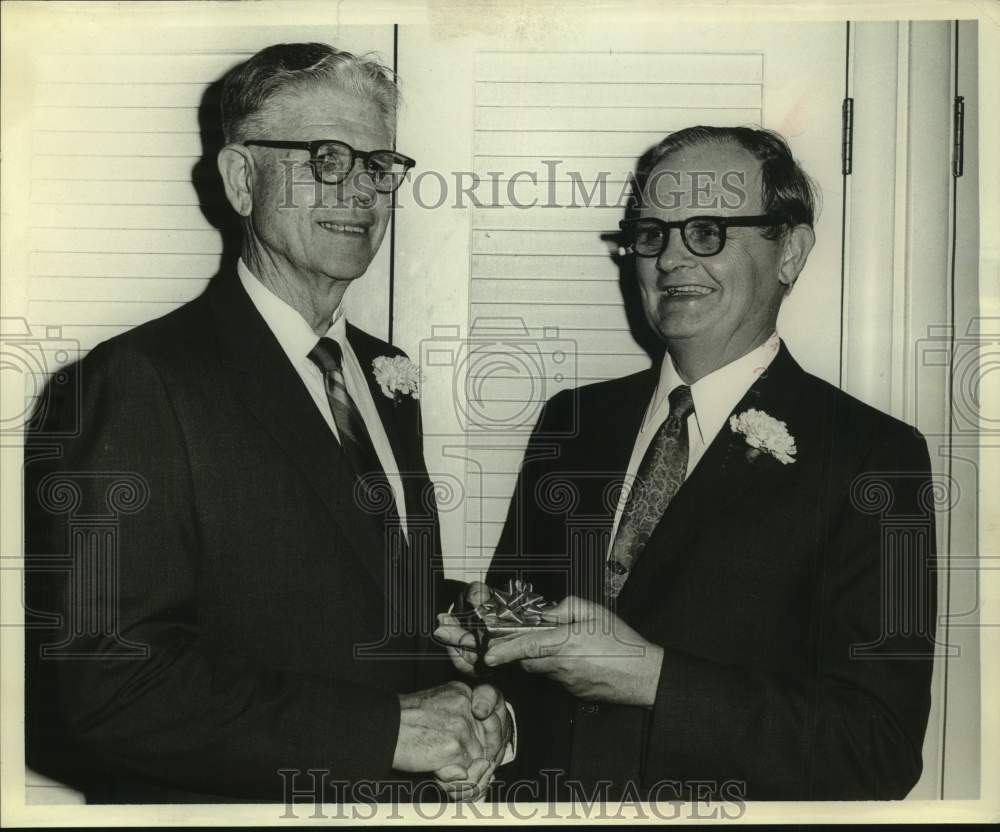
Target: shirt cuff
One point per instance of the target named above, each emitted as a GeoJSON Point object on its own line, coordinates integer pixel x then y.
{"type": "Point", "coordinates": [511, 752]}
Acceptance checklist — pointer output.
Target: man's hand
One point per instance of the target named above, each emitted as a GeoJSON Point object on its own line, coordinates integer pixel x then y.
{"type": "Point", "coordinates": [437, 729]}
{"type": "Point", "coordinates": [458, 734]}
{"type": "Point", "coordinates": [461, 785]}
{"type": "Point", "coordinates": [459, 642]}
{"type": "Point", "coordinates": [592, 653]}
{"type": "Point", "coordinates": [489, 709]}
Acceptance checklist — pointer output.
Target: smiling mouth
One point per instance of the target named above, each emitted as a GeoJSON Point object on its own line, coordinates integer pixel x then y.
{"type": "Point", "coordinates": [687, 291]}
{"type": "Point", "coordinates": [344, 228]}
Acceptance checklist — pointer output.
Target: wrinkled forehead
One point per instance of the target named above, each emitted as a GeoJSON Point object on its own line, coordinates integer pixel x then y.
{"type": "Point", "coordinates": [325, 109]}
{"type": "Point", "coordinates": [720, 179]}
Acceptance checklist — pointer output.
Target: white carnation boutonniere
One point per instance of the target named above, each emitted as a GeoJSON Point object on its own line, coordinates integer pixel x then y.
{"type": "Point", "coordinates": [764, 434]}
{"type": "Point", "coordinates": [397, 376]}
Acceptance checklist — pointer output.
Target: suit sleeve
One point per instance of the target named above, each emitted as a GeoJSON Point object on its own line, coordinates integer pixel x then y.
{"type": "Point", "coordinates": [527, 530]}
{"type": "Point", "coordinates": [853, 729]}
{"type": "Point", "coordinates": [540, 704]}
{"type": "Point", "coordinates": [185, 714]}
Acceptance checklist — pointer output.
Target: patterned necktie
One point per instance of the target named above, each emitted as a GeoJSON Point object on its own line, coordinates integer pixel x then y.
{"type": "Point", "coordinates": [660, 474]}
{"type": "Point", "coordinates": [354, 436]}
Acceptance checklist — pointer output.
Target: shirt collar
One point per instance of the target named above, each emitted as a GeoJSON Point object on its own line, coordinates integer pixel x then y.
{"type": "Point", "coordinates": [716, 394]}
{"type": "Point", "coordinates": [293, 332]}
{"type": "Point", "coordinates": [338, 327]}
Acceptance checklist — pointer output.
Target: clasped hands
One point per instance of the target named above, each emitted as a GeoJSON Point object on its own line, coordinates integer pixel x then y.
{"type": "Point", "coordinates": [590, 651]}
{"type": "Point", "coordinates": [461, 733]}
{"type": "Point", "coordinates": [457, 732]}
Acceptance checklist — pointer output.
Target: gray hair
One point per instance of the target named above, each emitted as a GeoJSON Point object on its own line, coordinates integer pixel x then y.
{"type": "Point", "coordinates": [786, 189]}
{"type": "Point", "coordinates": [250, 86]}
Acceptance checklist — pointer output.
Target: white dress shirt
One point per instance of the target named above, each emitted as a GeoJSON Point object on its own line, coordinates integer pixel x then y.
{"type": "Point", "coordinates": [714, 397]}
{"type": "Point", "coordinates": [297, 339]}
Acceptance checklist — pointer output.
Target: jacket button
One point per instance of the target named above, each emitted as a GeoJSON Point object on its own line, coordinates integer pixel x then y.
{"type": "Point", "coordinates": [589, 709]}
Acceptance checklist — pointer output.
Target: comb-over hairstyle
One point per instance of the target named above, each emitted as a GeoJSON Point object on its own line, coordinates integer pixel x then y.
{"type": "Point", "coordinates": [283, 67]}
{"type": "Point", "coordinates": [786, 189]}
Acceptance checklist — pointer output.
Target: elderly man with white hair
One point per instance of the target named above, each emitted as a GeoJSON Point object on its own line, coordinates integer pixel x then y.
{"type": "Point", "coordinates": [264, 614]}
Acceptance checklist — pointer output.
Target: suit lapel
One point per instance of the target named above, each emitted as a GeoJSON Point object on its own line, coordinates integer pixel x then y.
{"type": "Point", "coordinates": [723, 475]}
{"type": "Point", "coordinates": [400, 419]}
{"type": "Point", "coordinates": [389, 411]}
{"type": "Point", "coordinates": [274, 393]}
{"type": "Point", "coordinates": [626, 412]}
{"type": "Point", "coordinates": [597, 459]}
{"type": "Point", "coordinates": [595, 463]}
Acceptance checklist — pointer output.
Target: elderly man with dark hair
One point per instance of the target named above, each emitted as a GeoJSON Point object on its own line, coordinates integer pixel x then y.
{"type": "Point", "coordinates": [259, 620]}
{"type": "Point", "coordinates": [735, 622]}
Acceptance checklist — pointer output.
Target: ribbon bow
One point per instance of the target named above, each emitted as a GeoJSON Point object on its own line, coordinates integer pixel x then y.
{"type": "Point", "coordinates": [518, 605]}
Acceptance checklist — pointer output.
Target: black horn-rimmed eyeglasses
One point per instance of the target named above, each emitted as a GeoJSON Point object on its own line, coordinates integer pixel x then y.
{"type": "Point", "coordinates": [702, 236]}
{"type": "Point", "coordinates": [332, 161]}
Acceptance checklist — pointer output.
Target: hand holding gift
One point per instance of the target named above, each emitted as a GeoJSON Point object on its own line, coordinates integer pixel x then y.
{"type": "Point", "coordinates": [461, 643]}
{"type": "Point", "coordinates": [483, 613]}
{"type": "Point", "coordinates": [588, 650]}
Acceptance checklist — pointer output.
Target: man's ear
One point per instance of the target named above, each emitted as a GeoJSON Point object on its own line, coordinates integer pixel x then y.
{"type": "Point", "coordinates": [798, 243]}
{"type": "Point", "coordinates": [236, 167]}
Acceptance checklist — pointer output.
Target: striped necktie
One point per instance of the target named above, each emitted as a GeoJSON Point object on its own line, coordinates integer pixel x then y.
{"type": "Point", "coordinates": [354, 437]}
{"type": "Point", "coordinates": [660, 475]}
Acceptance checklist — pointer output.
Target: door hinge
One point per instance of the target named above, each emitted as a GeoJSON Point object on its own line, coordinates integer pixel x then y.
{"type": "Point", "coordinates": [847, 137]}
{"type": "Point", "coordinates": [958, 138]}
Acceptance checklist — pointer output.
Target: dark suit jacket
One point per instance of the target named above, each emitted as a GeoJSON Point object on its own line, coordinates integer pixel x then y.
{"type": "Point", "coordinates": [793, 601]}
{"type": "Point", "coordinates": [227, 609]}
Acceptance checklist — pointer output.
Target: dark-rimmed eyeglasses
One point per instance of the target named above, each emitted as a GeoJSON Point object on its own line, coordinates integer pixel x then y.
{"type": "Point", "coordinates": [332, 160]}
{"type": "Point", "coordinates": [702, 236]}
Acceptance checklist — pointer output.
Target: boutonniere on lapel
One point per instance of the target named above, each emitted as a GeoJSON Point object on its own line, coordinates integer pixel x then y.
{"type": "Point", "coordinates": [397, 376]}
{"type": "Point", "coordinates": [764, 434]}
